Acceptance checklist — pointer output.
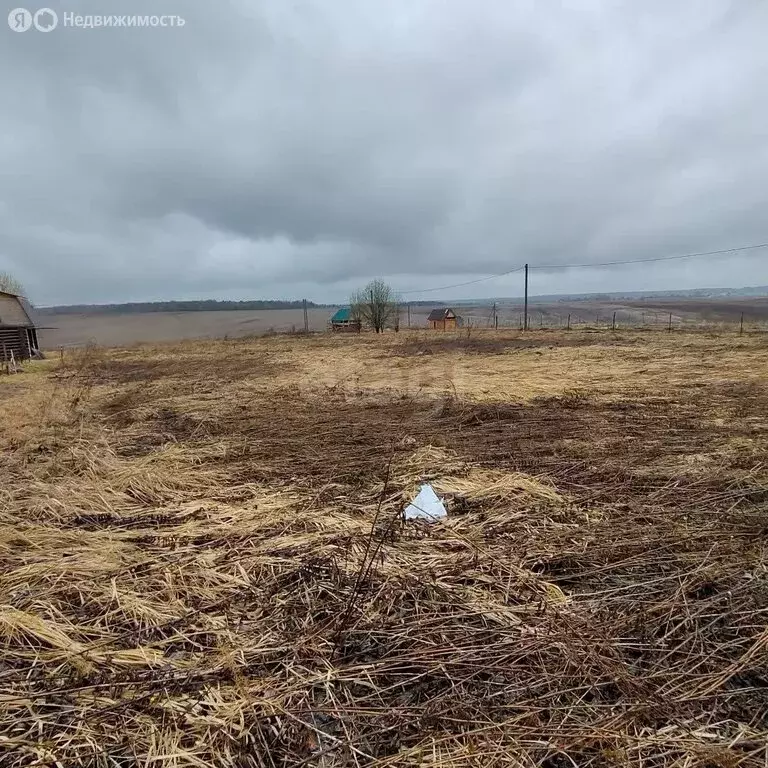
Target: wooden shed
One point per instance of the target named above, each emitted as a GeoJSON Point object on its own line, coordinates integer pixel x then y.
{"type": "Point", "coordinates": [18, 333]}
{"type": "Point", "coordinates": [443, 319]}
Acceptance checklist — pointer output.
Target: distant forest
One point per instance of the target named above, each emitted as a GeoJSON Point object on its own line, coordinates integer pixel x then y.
{"type": "Point", "coordinates": [208, 305]}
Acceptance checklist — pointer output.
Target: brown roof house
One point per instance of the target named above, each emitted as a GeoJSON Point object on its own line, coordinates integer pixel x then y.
{"type": "Point", "coordinates": [18, 331]}
{"type": "Point", "coordinates": [443, 319]}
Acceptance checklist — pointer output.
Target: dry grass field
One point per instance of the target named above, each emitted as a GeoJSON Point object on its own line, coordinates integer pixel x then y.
{"type": "Point", "coordinates": [204, 561]}
{"type": "Point", "coordinates": [122, 330]}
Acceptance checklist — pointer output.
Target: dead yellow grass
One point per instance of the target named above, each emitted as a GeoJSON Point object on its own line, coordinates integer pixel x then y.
{"type": "Point", "coordinates": [203, 563]}
{"type": "Point", "coordinates": [521, 367]}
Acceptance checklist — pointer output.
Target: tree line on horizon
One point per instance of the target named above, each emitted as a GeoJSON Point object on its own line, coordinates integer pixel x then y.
{"type": "Point", "coordinates": [380, 312]}
{"type": "Point", "coordinates": [205, 305]}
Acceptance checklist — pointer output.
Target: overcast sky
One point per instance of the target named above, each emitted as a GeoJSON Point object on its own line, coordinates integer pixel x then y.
{"type": "Point", "coordinates": [291, 148]}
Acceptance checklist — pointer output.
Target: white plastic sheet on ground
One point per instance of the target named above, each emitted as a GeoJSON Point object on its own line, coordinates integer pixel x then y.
{"type": "Point", "coordinates": [426, 506]}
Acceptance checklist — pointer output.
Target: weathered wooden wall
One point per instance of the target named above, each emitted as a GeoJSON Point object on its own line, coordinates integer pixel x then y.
{"type": "Point", "coordinates": [16, 340]}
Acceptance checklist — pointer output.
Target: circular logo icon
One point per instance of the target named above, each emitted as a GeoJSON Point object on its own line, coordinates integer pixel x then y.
{"type": "Point", "coordinates": [45, 20]}
{"type": "Point", "coordinates": [19, 19]}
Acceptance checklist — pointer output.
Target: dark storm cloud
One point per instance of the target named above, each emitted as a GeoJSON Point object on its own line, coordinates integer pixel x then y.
{"type": "Point", "coordinates": [299, 148]}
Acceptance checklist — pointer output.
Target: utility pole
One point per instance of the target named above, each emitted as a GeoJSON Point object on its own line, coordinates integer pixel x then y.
{"type": "Point", "coordinates": [374, 314]}
{"type": "Point", "coordinates": [306, 318]}
{"type": "Point", "coordinates": [525, 311]}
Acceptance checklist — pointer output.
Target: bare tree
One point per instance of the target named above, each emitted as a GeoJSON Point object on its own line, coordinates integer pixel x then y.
{"type": "Point", "coordinates": [375, 305]}
{"type": "Point", "coordinates": [10, 284]}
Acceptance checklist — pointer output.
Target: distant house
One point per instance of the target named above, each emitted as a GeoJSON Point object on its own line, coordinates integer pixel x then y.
{"type": "Point", "coordinates": [443, 319]}
{"type": "Point", "coordinates": [343, 320]}
{"type": "Point", "coordinates": [18, 333]}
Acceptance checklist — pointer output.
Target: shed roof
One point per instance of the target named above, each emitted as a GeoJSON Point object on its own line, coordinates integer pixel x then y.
{"type": "Point", "coordinates": [23, 309]}
{"type": "Point", "coordinates": [441, 313]}
{"type": "Point", "coordinates": [342, 315]}
{"type": "Point", "coordinates": [29, 310]}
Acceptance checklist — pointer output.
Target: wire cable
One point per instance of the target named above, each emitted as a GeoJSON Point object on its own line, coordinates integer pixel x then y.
{"type": "Point", "coordinates": [655, 258]}
{"type": "Point", "coordinates": [695, 255]}
{"type": "Point", "coordinates": [469, 282]}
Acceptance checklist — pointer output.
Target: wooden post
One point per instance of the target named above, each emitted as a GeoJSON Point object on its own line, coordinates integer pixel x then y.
{"type": "Point", "coordinates": [568, 328]}
{"type": "Point", "coordinates": [306, 318]}
{"type": "Point", "coordinates": [597, 319]}
{"type": "Point", "coordinates": [495, 316]}
{"type": "Point", "coordinates": [613, 322]}
{"type": "Point", "coordinates": [525, 311]}
{"type": "Point", "coordinates": [669, 327]}
{"type": "Point", "coordinates": [741, 325]}
{"type": "Point", "coordinates": [409, 314]}
{"type": "Point", "coordinates": [6, 366]}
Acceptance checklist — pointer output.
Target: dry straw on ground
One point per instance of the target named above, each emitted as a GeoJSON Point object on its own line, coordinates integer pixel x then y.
{"type": "Point", "coordinates": [203, 562]}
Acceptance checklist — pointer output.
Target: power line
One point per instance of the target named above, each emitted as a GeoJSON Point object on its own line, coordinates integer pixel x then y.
{"type": "Point", "coordinates": [469, 282]}
{"type": "Point", "coordinates": [655, 258]}
{"type": "Point", "coordinates": [696, 255]}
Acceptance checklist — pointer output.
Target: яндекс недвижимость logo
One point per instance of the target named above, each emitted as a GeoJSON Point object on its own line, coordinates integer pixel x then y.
{"type": "Point", "coordinates": [43, 20]}
{"type": "Point", "coordinates": [46, 20]}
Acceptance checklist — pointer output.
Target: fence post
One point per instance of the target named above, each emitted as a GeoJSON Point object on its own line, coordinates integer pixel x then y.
{"type": "Point", "coordinates": [741, 325]}
{"type": "Point", "coordinates": [569, 323]}
{"type": "Point", "coordinates": [613, 322]}
{"type": "Point", "coordinates": [525, 319]}
{"type": "Point", "coordinates": [669, 327]}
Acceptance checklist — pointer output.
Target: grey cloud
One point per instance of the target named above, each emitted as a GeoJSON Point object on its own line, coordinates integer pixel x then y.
{"type": "Point", "coordinates": [300, 148]}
